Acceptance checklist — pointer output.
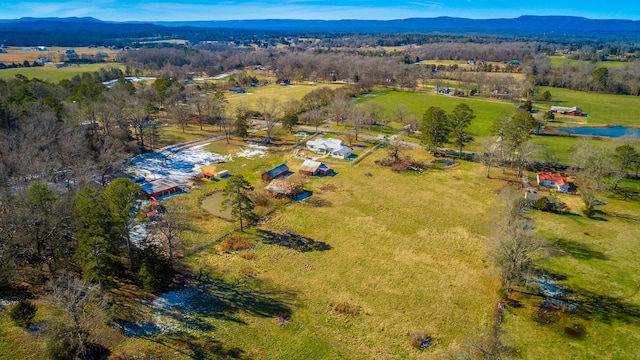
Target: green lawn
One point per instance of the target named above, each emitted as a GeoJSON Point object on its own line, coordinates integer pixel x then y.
{"type": "Point", "coordinates": [50, 73]}
{"type": "Point", "coordinates": [602, 109]}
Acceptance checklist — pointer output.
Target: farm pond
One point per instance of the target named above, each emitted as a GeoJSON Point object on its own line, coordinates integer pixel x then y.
{"type": "Point", "coordinates": [607, 131]}
{"type": "Point", "coordinates": [212, 204]}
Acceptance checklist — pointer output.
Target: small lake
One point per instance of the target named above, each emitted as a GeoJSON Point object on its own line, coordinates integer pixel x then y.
{"type": "Point", "coordinates": [609, 131]}
{"type": "Point", "coordinates": [212, 205]}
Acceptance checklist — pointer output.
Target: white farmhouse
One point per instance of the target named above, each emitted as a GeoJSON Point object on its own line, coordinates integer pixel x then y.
{"type": "Point", "coordinates": [331, 146]}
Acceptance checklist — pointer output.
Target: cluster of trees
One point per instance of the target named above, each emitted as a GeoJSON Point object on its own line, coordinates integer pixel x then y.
{"type": "Point", "coordinates": [25, 64]}
{"type": "Point", "coordinates": [602, 167]}
{"type": "Point", "coordinates": [585, 76]}
{"type": "Point", "coordinates": [438, 127]}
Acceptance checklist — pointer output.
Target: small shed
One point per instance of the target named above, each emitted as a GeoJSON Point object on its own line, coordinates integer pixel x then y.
{"type": "Point", "coordinates": [209, 175]}
{"type": "Point", "coordinates": [324, 170]}
{"type": "Point", "coordinates": [223, 174]}
{"type": "Point", "coordinates": [310, 167]}
{"type": "Point", "coordinates": [277, 172]}
{"type": "Point", "coordinates": [160, 187]}
{"type": "Point", "coordinates": [313, 168]}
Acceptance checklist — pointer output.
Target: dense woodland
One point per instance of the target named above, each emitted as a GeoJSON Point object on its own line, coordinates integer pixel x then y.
{"type": "Point", "coordinates": [64, 220]}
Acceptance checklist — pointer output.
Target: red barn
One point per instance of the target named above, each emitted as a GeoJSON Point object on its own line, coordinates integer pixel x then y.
{"type": "Point", "coordinates": [160, 187]}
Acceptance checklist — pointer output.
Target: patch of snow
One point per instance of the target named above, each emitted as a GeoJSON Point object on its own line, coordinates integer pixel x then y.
{"type": "Point", "coordinates": [251, 151]}
{"type": "Point", "coordinates": [178, 165]}
{"type": "Point", "coordinates": [6, 302]}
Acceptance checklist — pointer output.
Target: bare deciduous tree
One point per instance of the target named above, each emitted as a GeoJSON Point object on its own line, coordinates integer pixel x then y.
{"type": "Point", "coordinates": [513, 248]}
{"type": "Point", "coordinates": [271, 111]}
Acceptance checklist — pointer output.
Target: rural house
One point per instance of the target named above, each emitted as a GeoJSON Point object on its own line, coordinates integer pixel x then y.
{"type": "Point", "coordinates": [331, 146]}
{"type": "Point", "coordinates": [550, 179]}
{"type": "Point", "coordinates": [313, 168]}
{"type": "Point", "coordinates": [573, 111]}
{"type": "Point", "coordinates": [277, 172]}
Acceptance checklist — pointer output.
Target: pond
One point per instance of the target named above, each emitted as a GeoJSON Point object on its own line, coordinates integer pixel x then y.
{"type": "Point", "coordinates": [609, 131]}
{"type": "Point", "coordinates": [212, 204]}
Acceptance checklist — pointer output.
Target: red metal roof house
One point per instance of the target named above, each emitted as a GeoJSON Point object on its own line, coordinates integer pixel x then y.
{"type": "Point", "coordinates": [550, 179]}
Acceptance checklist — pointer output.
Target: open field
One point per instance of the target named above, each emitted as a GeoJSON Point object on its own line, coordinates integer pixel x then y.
{"type": "Point", "coordinates": [406, 270]}
{"type": "Point", "coordinates": [595, 261]}
{"type": "Point", "coordinates": [50, 73]}
{"type": "Point", "coordinates": [402, 270]}
{"type": "Point", "coordinates": [277, 93]}
{"type": "Point", "coordinates": [381, 256]}
{"type": "Point", "coordinates": [603, 109]}
{"type": "Point", "coordinates": [558, 60]}
{"type": "Point", "coordinates": [486, 110]}
{"type": "Point", "coordinates": [56, 54]}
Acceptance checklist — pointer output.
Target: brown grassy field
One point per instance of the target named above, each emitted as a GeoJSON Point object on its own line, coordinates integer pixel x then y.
{"type": "Point", "coordinates": [18, 55]}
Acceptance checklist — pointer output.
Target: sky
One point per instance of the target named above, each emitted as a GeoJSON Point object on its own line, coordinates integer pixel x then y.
{"type": "Point", "coordinates": [187, 10]}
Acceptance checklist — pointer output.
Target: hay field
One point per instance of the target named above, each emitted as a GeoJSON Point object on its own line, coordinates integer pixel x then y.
{"type": "Point", "coordinates": [50, 73]}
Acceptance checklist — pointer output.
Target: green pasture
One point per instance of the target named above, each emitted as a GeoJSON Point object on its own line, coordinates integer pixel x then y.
{"type": "Point", "coordinates": [486, 111]}
{"type": "Point", "coordinates": [50, 73]}
{"type": "Point", "coordinates": [602, 109]}
{"type": "Point", "coordinates": [596, 261]}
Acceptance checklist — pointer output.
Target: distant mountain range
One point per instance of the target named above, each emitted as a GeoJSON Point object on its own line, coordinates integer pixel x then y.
{"type": "Point", "coordinates": [57, 30]}
{"type": "Point", "coordinates": [421, 25]}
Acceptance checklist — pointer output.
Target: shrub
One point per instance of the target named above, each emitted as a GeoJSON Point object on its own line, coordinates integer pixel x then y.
{"type": "Point", "coordinates": [260, 198]}
{"type": "Point", "coordinates": [345, 308]}
{"type": "Point", "coordinates": [247, 271]}
{"type": "Point", "coordinates": [282, 319]}
{"type": "Point", "coordinates": [235, 243]}
{"type": "Point", "coordinates": [23, 313]}
{"type": "Point", "coordinates": [543, 204]}
{"type": "Point", "coordinates": [65, 342]}
{"type": "Point", "coordinates": [248, 255]}
{"type": "Point", "coordinates": [420, 340]}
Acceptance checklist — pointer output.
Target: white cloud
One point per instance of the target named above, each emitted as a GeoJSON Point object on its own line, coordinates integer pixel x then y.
{"type": "Point", "coordinates": [430, 4]}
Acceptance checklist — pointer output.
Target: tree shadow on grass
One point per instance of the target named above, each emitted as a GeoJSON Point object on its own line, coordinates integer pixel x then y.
{"type": "Point", "coordinates": [222, 299]}
{"type": "Point", "coordinates": [626, 193]}
{"type": "Point", "coordinates": [199, 347]}
{"type": "Point", "coordinates": [579, 250]}
{"type": "Point", "coordinates": [293, 241]}
{"type": "Point", "coordinates": [606, 308]}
